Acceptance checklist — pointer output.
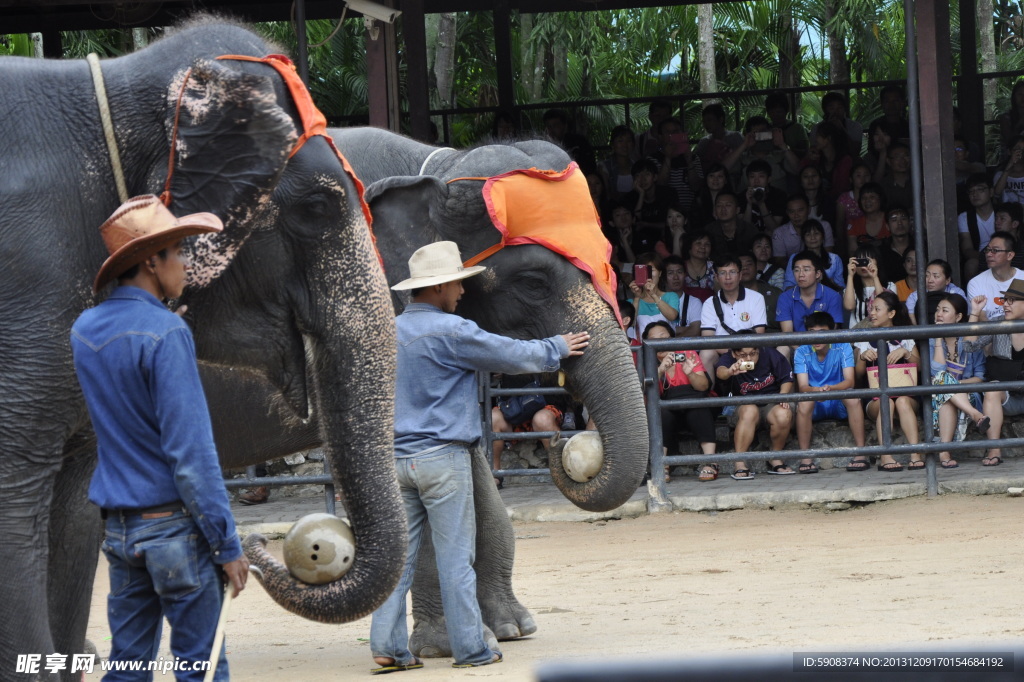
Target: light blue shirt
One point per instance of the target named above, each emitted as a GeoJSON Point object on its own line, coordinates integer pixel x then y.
{"type": "Point", "coordinates": [436, 387]}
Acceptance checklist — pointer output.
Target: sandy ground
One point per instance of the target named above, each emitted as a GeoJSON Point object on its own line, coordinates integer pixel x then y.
{"type": "Point", "coordinates": [887, 575]}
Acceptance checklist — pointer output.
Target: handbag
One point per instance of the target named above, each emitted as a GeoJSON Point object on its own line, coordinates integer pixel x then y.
{"type": "Point", "coordinates": [517, 409]}
{"type": "Point", "coordinates": [899, 375]}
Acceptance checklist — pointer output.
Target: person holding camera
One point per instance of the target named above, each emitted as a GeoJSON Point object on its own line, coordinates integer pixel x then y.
{"type": "Point", "coordinates": [650, 299]}
{"type": "Point", "coordinates": [763, 205]}
{"type": "Point", "coordinates": [758, 371]}
{"type": "Point", "coordinates": [864, 281]}
{"type": "Point", "coordinates": [732, 309]}
{"type": "Point", "coordinates": [762, 142]}
{"type": "Point", "coordinates": [678, 168]}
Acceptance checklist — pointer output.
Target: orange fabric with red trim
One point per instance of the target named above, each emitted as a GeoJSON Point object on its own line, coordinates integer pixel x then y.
{"type": "Point", "coordinates": [554, 210]}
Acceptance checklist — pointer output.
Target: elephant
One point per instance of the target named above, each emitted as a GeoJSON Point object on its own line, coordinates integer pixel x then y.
{"type": "Point", "coordinates": [270, 295]}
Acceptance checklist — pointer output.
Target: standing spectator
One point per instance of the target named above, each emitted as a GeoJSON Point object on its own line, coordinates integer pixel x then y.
{"type": "Point", "coordinates": [771, 375]}
{"type": "Point", "coordinates": [965, 168]}
{"type": "Point", "coordinates": [559, 130]}
{"type": "Point", "coordinates": [626, 238]}
{"type": "Point", "coordinates": [864, 281]}
{"type": "Point", "coordinates": [647, 143]}
{"type": "Point", "coordinates": [977, 224]}
{"type": "Point", "coordinates": [776, 105]}
{"type": "Point", "coordinates": [786, 239]}
{"type": "Point", "coordinates": [675, 231]}
{"type": "Point", "coordinates": [871, 228]}
{"type": "Point", "coordinates": [1010, 180]}
{"type": "Point", "coordinates": [880, 137]}
{"type": "Point", "coordinates": [848, 204]}
{"type": "Point", "coordinates": [439, 354]}
{"type": "Point", "coordinates": [818, 206]}
{"type": "Point", "coordinates": [896, 181]}
{"type": "Point", "coordinates": [834, 161]}
{"type": "Point", "coordinates": [703, 210]}
{"type": "Point", "coordinates": [938, 280]}
{"type": "Point", "coordinates": [764, 269]}
{"type": "Point", "coordinates": [886, 312]}
{"type": "Point", "coordinates": [821, 368]}
{"type": "Point", "coordinates": [681, 375]}
{"type": "Point", "coordinates": [1000, 274]}
{"type": "Point", "coordinates": [729, 232]}
{"type": "Point", "coordinates": [1011, 123]}
{"type": "Point", "coordinates": [812, 238]}
{"type": "Point", "coordinates": [688, 322]}
{"type": "Point", "coordinates": [894, 111]}
{"type": "Point", "coordinates": [1009, 218]}
{"type": "Point", "coordinates": [650, 201]}
{"type": "Point", "coordinates": [732, 309]}
{"type": "Point", "coordinates": [505, 127]}
{"type": "Point", "coordinates": [763, 205]}
{"type": "Point", "coordinates": [617, 168]}
{"type": "Point", "coordinates": [809, 295]}
{"type": "Point", "coordinates": [720, 141]}
{"type": "Point", "coordinates": [837, 114]}
{"type": "Point", "coordinates": [699, 271]}
{"type": "Point", "coordinates": [763, 143]}
{"type": "Point", "coordinates": [651, 301]}
{"type": "Point", "coordinates": [678, 168]}
{"type": "Point", "coordinates": [952, 364]}
{"type": "Point", "coordinates": [169, 534]}
{"type": "Point", "coordinates": [893, 250]}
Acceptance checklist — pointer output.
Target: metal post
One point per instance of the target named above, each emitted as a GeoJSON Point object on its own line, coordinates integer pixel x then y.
{"type": "Point", "coordinates": [658, 500]}
{"type": "Point", "coordinates": [300, 33]}
{"type": "Point", "coordinates": [884, 411]}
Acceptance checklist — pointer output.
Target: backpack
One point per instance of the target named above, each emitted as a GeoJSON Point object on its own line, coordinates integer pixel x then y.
{"type": "Point", "coordinates": [518, 409]}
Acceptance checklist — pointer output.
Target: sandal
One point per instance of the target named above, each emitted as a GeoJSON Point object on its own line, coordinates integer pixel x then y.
{"type": "Point", "coordinates": [992, 461]}
{"type": "Point", "coordinates": [982, 425]}
{"type": "Point", "coordinates": [708, 472]}
{"type": "Point", "coordinates": [916, 464]}
{"type": "Point", "coordinates": [394, 667]}
{"type": "Point", "coordinates": [777, 469]}
{"type": "Point", "coordinates": [742, 474]}
{"type": "Point", "coordinates": [257, 495]}
{"type": "Point", "coordinates": [811, 468]}
{"type": "Point", "coordinates": [890, 466]}
{"type": "Point", "coordinates": [858, 465]}
{"type": "Point", "coordinates": [949, 463]}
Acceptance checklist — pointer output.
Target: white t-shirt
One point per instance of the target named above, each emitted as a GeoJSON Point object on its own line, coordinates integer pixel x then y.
{"type": "Point", "coordinates": [1014, 189]}
{"type": "Point", "coordinates": [860, 308]}
{"type": "Point", "coordinates": [692, 313]}
{"type": "Point", "coordinates": [985, 228]}
{"type": "Point", "coordinates": [985, 284]}
{"type": "Point", "coordinates": [748, 312]}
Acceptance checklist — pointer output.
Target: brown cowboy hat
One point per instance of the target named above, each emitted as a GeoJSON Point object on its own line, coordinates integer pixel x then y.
{"type": "Point", "coordinates": [142, 227]}
{"type": "Point", "coordinates": [1016, 289]}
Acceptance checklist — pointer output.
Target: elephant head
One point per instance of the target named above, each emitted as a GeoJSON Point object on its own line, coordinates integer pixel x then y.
{"type": "Point", "coordinates": [527, 291]}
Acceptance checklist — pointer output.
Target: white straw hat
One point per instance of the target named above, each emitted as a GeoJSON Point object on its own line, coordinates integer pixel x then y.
{"type": "Point", "coordinates": [436, 263]}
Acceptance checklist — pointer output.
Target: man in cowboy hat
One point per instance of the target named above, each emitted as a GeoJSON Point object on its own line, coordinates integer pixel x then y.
{"type": "Point", "coordinates": [169, 531]}
{"type": "Point", "coordinates": [436, 422]}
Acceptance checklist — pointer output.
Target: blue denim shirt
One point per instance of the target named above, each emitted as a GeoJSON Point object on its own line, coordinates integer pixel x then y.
{"type": "Point", "coordinates": [436, 388]}
{"type": "Point", "coordinates": [136, 362]}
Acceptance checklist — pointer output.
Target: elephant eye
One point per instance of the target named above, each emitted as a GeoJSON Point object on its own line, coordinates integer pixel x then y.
{"type": "Point", "coordinates": [534, 284]}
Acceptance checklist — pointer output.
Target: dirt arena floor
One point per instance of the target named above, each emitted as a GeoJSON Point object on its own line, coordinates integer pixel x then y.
{"type": "Point", "coordinates": [888, 575]}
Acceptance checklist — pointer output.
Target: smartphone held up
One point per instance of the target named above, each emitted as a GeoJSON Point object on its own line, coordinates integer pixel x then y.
{"type": "Point", "coordinates": [641, 274]}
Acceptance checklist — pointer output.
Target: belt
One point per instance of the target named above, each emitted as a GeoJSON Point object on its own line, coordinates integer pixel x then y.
{"type": "Point", "coordinates": [159, 511]}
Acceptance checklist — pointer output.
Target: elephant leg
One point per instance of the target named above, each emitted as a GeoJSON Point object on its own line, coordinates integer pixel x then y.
{"type": "Point", "coordinates": [504, 617]}
{"type": "Point", "coordinates": [76, 532]}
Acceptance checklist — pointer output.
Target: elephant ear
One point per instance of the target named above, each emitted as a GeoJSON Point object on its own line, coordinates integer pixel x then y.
{"type": "Point", "coordinates": [234, 135]}
{"type": "Point", "coordinates": [407, 213]}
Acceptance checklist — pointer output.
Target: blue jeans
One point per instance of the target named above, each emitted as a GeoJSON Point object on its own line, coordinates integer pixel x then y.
{"type": "Point", "coordinates": [161, 567]}
{"type": "Point", "coordinates": [437, 487]}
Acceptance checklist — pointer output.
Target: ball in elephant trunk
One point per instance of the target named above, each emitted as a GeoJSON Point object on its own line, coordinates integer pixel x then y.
{"type": "Point", "coordinates": [319, 548]}
{"type": "Point", "coordinates": [582, 455]}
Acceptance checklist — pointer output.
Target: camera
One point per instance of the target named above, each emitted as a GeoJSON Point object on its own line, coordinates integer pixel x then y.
{"type": "Point", "coordinates": [679, 357]}
{"type": "Point", "coordinates": [766, 136]}
{"type": "Point", "coordinates": [746, 365]}
{"type": "Point", "coordinates": [758, 194]}
{"type": "Point", "coordinates": [374, 10]}
{"type": "Point", "coordinates": [862, 262]}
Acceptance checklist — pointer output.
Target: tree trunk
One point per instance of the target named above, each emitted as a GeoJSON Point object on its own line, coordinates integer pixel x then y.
{"type": "Point", "coordinates": [987, 46]}
{"type": "Point", "coordinates": [560, 57]}
{"type": "Point", "coordinates": [539, 58]}
{"type": "Point", "coordinates": [706, 48]}
{"type": "Point", "coordinates": [525, 52]}
{"type": "Point", "coordinates": [140, 38]}
{"type": "Point", "coordinates": [839, 64]}
{"type": "Point", "coordinates": [431, 24]}
{"type": "Point", "coordinates": [444, 64]}
{"type": "Point", "coordinates": [789, 53]}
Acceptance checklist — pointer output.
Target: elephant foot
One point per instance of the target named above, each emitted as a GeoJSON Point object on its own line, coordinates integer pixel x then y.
{"type": "Point", "coordinates": [509, 619]}
{"type": "Point", "coordinates": [429, 639]}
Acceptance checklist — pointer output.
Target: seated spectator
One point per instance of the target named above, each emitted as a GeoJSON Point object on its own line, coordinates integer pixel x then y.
{"type": "Point", "coordinates": [870, 228]}
{"type": "Point", "coordinates": [893, 249]}
{"type": "Point", "coordinates": [688, 322]}
{"type": "Point", "coordinates": [1003, 362]}
{"type": "Point", "coordinates": [786, 239]}
{"type": "Point", "coordinates": [837, 114]}
{"type": "Point", "coordinates": [809, 295]}
{"type": "Point", "coordinates": [848, 204]}
{"type": "Point", "coordinates": [716, 180]}
{"type": "Point", "coordinates": [527, 414]}
{"type": "Point", "coordinates": [675, 231]}
{"type": "Point", "coordinates": [720, 141]}
{"type": "Point", "coordinates": [617, 168]}
{"type": "Point", "coordinates": [505, 127]}
{"type": "Point", "coordinates": [938, 280]}
{"type": "Point", "coordinates": [627, 311]}
{"type": "Point", "coordinates": [626, 239]}
{"type": "Point", "coordinates": [765, 270]}
{"type": "Point", "coordinates": [680, 375]}
{"type": "Point", "coordinates": [1009, 218]}
{"type": "Point", "coordinates": [894, 111]}
{"type": "Point", "coordinates": [965, 168]}
{"type": "Point", "coordinates": [976, 224]}
{"type": "Point", "coordinates": [776, 105]}
{"type": "Point", "coordinates": [732, 309]}
{"type": "Point", "coordinates": [678, 167]}
{"type": "Point", "coordinates": [999, 258]}
{"type": "Point", "coordinates": [729, 233]}
{"type": "Point", "coordinates": [864, 281]}
{"type": "Point", "coordinates": [763, 143]}
{"type": "Point", "coordinates": [833, 160]}
{"type": "Point", "coordinates": [880, 137]}
{"type": "Point", "coordinates": [896, 181]}
{"type": "Point", "coordinates": [1011, 123]}
{"type": "Point", "coordinates": [908, 284]}
{"type": "Point", "coordinates": [559, 130]}
{"type": "Point", "coordinates": [647, 143]}
{"type": "Point", "coordinates": [1010, 179]}
{"type": "Point", "coordinates": [649, 200]}
{"type": "Point", "coordinates": [951, 364]}
{"type": "Point", "coordinates": [698, 271]}
{"type": "Point", "coordinates": [651, 301]}
{"type": "Point", "coordinates": [763, 205]}
{"type": "Point", "coordinates": [812, 238]}
{"type": "Point", "coordinates": [749, 280]}
{"type": "Point", "coordinates": [818, 207]}
{"type": "Point", "coordinates": [887, 311]}
{"type": "Point", "coordinates": [758, 371]}
{"type": "Point", "coordinates": [820, 368]}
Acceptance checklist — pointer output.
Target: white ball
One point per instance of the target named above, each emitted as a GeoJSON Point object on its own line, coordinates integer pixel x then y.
{"type": "Point", "coordinates": [583, 456]}
{"type": "Point", "coordinates": [319, 548]}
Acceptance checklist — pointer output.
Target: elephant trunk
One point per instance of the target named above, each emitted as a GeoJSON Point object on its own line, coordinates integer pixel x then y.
{"type": "Point", "coordinates": [604, 378]}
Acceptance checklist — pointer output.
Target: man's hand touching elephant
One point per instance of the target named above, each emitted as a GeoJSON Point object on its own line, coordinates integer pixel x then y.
{"type": "Point", "coordinates": [577, 341]}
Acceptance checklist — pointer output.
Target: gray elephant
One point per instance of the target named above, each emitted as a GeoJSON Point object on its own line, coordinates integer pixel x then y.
{"type": "Point", "coordinates": [268, 294]}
